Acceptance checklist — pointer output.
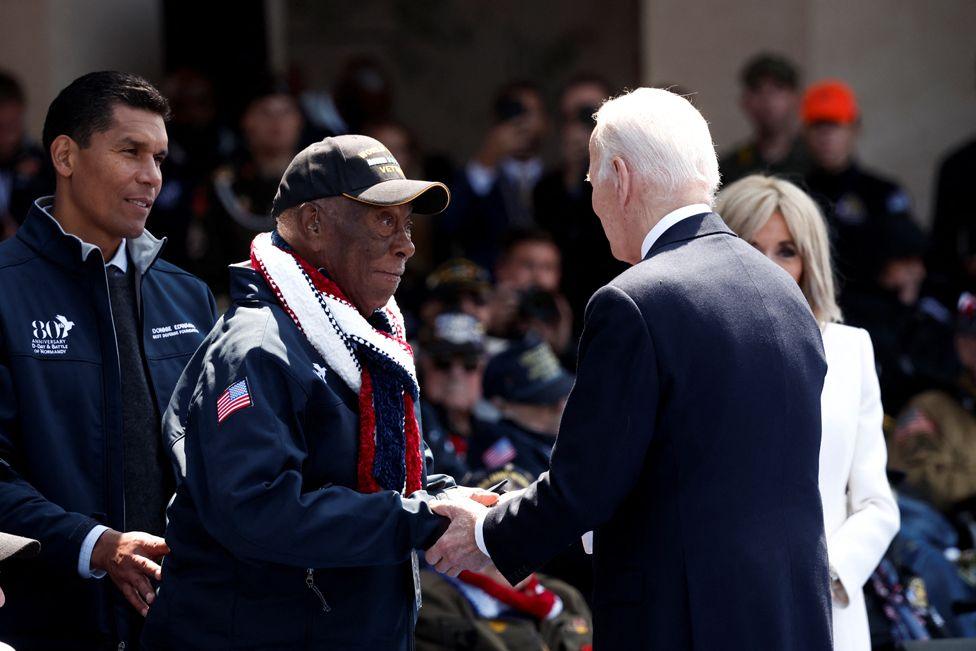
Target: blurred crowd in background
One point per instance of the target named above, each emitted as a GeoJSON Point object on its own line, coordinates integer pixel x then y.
{"type": "Point", "coordinates": [495, 295]}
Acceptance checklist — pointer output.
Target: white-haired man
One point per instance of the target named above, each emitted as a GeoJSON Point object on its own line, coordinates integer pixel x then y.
{"type": "Point", "coordinates": [690, 441]}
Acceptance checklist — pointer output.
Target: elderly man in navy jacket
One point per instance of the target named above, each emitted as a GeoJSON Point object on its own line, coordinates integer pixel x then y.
{"type": "Point", "coordinates": [305, 493]}
{"type": "Point", "coordinates": [94, 332]}
{"type": "Point", "coordinates": [690, 441]}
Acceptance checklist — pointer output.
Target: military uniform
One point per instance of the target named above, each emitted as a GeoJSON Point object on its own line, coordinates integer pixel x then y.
{"type": "Point", "coordinates": [934, 444]}
{"type": "Point", "coordinates": [450, 622]}
{"type": "Point", "coordinates": [746, 159]}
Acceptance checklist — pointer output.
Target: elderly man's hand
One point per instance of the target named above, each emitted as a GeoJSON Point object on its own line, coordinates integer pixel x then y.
{"type": "Point", "coordinates": [129, 558]}
{"type": "Point", "coordinates": [457, 550]}
{"type": "Point", "coordinates": [479, 495]}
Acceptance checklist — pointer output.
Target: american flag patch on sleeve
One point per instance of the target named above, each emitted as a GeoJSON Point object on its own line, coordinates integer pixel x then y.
{"type": "Point", "coordinates": [501, 452]}
{"type": "Point", "coordinates": [234, 398]}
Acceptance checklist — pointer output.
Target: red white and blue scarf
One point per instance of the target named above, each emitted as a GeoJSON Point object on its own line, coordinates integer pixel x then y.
{"type": "Point", "coordinates": [375, 361]}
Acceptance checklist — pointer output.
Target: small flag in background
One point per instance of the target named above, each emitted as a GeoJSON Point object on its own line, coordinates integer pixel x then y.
{"type": "Point", "coordinates": [914, 422]}
{"type": "Point", "coordinates": [234, 398]}
{"type": "Point", "coordinates": [501, 452]}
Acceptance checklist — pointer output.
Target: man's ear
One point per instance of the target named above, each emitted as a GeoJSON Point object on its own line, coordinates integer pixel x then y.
{"type": "Point", "coordinates": [64, 152]}
{"type": "Point", "coordinates": [622, 181]}
{"type": "Point", "coordinates": [310, 220]}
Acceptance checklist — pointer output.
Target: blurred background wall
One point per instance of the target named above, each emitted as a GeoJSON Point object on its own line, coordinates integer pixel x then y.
{"type": "Point", "coordinates": [912, 65]}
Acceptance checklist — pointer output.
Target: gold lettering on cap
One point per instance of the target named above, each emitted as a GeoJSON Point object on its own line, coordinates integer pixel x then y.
{"type": "Point", "coordinates": [540, 362]}
{"type": "Point", "coordinates": [366, 153]}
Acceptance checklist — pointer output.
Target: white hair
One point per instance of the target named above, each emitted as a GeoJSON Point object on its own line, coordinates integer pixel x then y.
{"type": "Point", "coordinates": [664, 141]}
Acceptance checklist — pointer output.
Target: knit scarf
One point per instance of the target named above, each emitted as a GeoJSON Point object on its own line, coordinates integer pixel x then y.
{"type": "Point", "coordinates": [373, 359]}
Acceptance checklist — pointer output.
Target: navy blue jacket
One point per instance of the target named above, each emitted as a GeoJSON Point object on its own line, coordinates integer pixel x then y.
{"type": "Point", "coordinates": [690, 444]}
{"type": "Point", "coordinates": [532, 449]}
{"type": "Point", "coordinates": [272, 546]}
{"type": "Point", "coordinates": [61, 454]}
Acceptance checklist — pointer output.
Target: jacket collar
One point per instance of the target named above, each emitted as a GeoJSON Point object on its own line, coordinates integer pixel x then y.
{"type": "Point", "coordinates": [248, 286]}
{"type": "Point", "coordinates": [42, 233]}
{"type": "Point", "coordinates": [691, 228]}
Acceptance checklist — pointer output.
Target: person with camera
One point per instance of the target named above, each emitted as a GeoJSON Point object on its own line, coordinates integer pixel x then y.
{"type": "Point", "coordinates": [492, 194]}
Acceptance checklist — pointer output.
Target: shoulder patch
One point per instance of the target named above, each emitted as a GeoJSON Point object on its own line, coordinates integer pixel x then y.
{"type": "Point", "coordinates": [234, 398]}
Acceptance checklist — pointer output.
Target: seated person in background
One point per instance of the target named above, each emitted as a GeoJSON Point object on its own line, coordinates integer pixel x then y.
{"type": "Point", "coordinates": [451, 362]}
{"type": "Point", "coordinates": [771, 102]}
{"type": "Point", "coordinates": [934, 441]}
{"type": "Point", "coordinates": [457, 285]}
{"type": "Point", "coordinates": [920, 590]}
{"type": "Point", "coordinates": [484, 611]}
{"type": "Point", "coordinates": [857, 203]}
{"type": "Point", "coordinates": [913, 347]}
{"type": "Point", "coordinates": [529, 387]}
{"type": "Point", "coordinates": [539, 313]}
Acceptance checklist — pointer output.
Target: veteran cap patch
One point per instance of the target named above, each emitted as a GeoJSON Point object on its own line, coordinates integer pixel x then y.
{"type": "Point", "coordinates": [357, 167]}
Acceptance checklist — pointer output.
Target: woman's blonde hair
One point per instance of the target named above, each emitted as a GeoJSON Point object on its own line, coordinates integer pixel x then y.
{"type": "Point", "coordinates": [747, 205]}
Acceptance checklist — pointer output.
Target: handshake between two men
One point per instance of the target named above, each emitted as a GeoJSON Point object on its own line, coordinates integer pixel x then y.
{"type": "Point", "coordinates": [457, 549]}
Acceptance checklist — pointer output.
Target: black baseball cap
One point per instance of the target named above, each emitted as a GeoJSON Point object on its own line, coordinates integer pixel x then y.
{"type": "Point", "coordinates": [456, 276]}
{"type": "Point", "coordinates": [527, 372]}
{"type": "Point", "coordinates": [359, 168]}
{"type": "Point", "coordinates": [455, 333]}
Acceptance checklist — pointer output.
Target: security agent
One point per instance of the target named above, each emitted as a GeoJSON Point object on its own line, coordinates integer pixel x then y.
{"type": "Point", "coordinates": [94, 332]}
{"type": "Point", "coordinates": [305, 490]}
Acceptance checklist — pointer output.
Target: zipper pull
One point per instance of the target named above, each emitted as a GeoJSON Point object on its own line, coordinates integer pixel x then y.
{"type": "Point", "coordinates": [310, 582]}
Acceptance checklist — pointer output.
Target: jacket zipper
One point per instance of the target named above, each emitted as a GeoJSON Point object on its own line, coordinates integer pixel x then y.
{"type": "Point", "coordinates": [310, 582]}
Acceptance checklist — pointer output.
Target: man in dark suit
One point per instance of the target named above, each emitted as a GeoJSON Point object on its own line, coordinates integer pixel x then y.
{"type": "Point", "coordinates": [690, 441]}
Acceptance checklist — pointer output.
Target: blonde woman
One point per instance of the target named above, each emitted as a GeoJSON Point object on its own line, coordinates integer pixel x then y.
{"type": "Point", "coordinates": [860, 514]}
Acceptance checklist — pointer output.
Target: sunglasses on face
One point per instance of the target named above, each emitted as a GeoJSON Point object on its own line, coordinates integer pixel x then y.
{"type": "Point", "coordinates": [446, 363]}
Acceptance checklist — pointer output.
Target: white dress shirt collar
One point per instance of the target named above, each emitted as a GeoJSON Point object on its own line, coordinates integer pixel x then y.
{"type": "Point", "coordinates": [119, 260]}
{"type": "Point", "coordinates": [670, 220]}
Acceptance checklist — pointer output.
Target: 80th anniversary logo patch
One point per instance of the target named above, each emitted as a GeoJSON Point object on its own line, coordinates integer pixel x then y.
{"type": "Point", "coordinates": [51, 337]}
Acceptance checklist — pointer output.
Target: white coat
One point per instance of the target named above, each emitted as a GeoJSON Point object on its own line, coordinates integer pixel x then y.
{"type": "Point", "coordinates": [860, 514]}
